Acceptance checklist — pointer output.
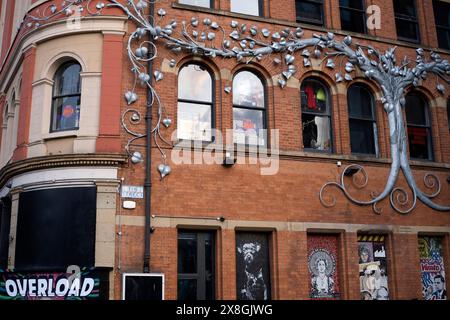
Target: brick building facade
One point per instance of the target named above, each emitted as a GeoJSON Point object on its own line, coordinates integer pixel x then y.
{"type": "Point", "coordinates": [207, 219]}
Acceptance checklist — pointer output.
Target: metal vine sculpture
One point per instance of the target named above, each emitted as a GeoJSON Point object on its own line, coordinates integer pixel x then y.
{"type": "Point", "coordinates": [247, 43]}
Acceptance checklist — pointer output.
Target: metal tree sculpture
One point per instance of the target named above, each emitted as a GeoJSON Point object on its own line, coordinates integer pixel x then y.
{"type": "Point", "coordinates": [245, 44]}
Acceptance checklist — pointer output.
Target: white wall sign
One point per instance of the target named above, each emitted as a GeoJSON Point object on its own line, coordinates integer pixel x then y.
{"type": "Point", "coordinates": [133, 192]}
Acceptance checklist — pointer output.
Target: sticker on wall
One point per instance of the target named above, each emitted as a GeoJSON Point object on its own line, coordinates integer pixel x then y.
{"type": "Point", "coordinates": [252, 266]}
{"type": "Point", "coordinates": [432, 268]}
{"type": "Point", "coordinates": [323, 266]}
{"type": "Point", "coordinates": [373, 276]}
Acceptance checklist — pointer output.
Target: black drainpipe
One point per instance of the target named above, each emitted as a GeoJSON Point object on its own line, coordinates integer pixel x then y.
{"type": "Point", "coordinates": [148, 164]}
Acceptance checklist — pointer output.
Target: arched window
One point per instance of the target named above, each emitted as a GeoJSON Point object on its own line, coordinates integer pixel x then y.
{"type": "Point", "coordinates": [66, 98]}
{"type": "Point", "coordinates": [195, 103]}
{"type": "Point", "coordinates": [363, 125]}
{"type": "Point", "coordinates": [419, 126]}
{"type": "Point", "coordinates": [316, 116]}
{"type": "Point", "coordinates": [249, 109]}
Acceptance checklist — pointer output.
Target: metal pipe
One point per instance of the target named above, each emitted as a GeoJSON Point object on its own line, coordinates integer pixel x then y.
{"type": "Point", "coordinates": [148, 161]}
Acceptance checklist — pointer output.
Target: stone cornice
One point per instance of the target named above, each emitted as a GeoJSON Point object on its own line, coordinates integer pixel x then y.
{"type": "Point", "coordinates": [48, 162]}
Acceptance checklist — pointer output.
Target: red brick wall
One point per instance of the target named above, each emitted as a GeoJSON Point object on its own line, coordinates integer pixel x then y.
{"type": "Point", "coordinates": [241, 193]}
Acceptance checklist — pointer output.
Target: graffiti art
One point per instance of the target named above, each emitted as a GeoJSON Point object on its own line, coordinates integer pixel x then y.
{"type": "Point", "coordinates": [252, 266]}
{"type": "Point", "coordinates": [373, 274]}
{"type": "Point", "coordinates": [322, 265]}
{"type": "Point", "coordinates": [432, 268]}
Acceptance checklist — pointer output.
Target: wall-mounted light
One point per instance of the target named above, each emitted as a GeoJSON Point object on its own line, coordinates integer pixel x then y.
{"type": "Point", "coordinates": [229, 160]}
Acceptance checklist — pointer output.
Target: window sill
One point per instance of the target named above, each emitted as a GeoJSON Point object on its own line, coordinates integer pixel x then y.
{"type": "Point", "coordinates": [311, 156]}
{"type": "Point", "coordinates": [61, 134]}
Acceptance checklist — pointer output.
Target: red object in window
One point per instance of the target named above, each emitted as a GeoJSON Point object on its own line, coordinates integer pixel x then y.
{"type": "Point", "coordinates": [68, 111]}
{"type": "Point", "coordinates": [311, 98]}
{"type": "Point", "coordinates": [248, 124]}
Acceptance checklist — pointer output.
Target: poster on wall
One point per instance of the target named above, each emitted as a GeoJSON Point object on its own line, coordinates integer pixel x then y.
{"type": "Point", "coordinates": [87, 285]}
{"type": "Point", "coordinates": [252, 266]}
{"type": "Point", "coordinates": [323, 266]}
{"type": "Point", "coordinates": [432, 268]}
{"type": "Point", "coordinates": [373, 275]}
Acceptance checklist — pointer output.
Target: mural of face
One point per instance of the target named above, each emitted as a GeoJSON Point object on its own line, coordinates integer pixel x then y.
{"type": "Point", "coordinates": [321, 266]}
{"type": "Point", "coordinates": [438, 284]}
{"type": "Point", "coordinates": [364, 255]}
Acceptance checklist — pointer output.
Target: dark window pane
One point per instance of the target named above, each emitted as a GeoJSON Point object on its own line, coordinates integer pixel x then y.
{"type": "Point", "coordinates": [187, 253]}
{"type": "Point", "coordinates": [5, 225]}
{"type": "Point", "coordinates": [419, 142]}
{"type": "Point", "coordinates": [360, 103]}
{"type": "Point", "coordinates": [419, 130]}
{"type": "Point", "coordinates": [194, 121]}
{"type": "Point", "coordinates": [209, 266]}
{"type": "Point", "coordinates": [247, 125]}
{"type": "Point", "coordinates": [198, 3]}
{"type": "Point", "coordinates": [143, 288]}
{"type": "Point", "coordinates": [443, 38]}
{"type": "Point", "coordinates": [196, 266]}
{"type": "Point", "coordinates": [187, 289]}
{"type": "Point", "coordinates": [405, 8]}
{"type": "Point", "coordinates": [194, 83]}
{"type": "Point", "coordinates": [406, 20]}
{"type": "Point", "coordinates": [407, 30]}
{"type": "Point", "coordinates": [248, 90]}
{"type": "Point", "coordinates": [441, 13]}
{"type": "Point", "coordinates": [354, 21]}
{"type": "Point", "coordinates": [362, 136]}
{"type": "Point", "coordinates": [250, 7]}
{"type": "Point", "coordinates": [355, 4]}
{"type": "Point", "coordinates": [442, 20]}
{"type": "Point", "coordinates": [316, 132]}
{"type": "Point", "coordinates": [56, 229]}
{"type": "Point", "coordinates": [416, 110]}
{"type": "Point", "coordinates": [66, 114]}
{"type": "Point", "coordinates": [67, 80]}
{"type": "Point", "coordinates": [309, 11]}
{"type": "Point", "coordinates": [252, 266]}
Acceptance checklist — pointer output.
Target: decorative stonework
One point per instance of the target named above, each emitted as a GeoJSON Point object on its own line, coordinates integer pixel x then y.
{"type": "Point", "coordinates": [60, 161]}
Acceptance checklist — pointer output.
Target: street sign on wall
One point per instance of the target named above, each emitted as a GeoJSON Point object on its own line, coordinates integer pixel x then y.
{"type": "Point", "coordinates": [133, 192]}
